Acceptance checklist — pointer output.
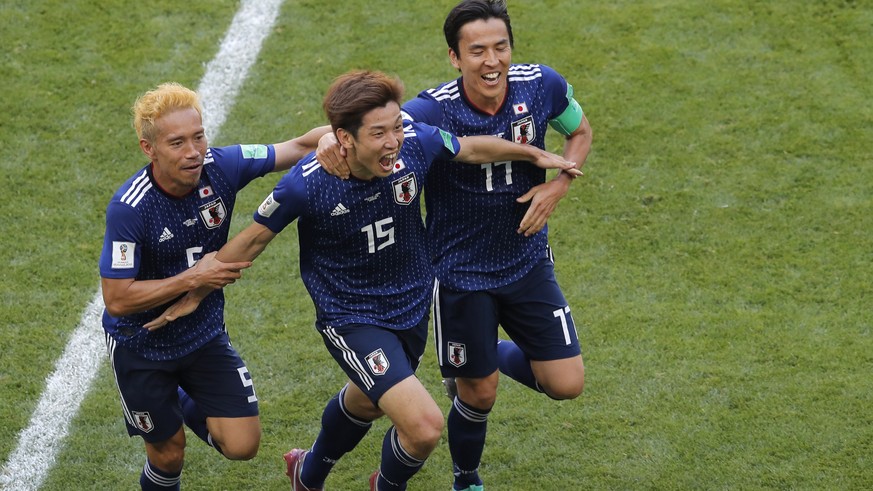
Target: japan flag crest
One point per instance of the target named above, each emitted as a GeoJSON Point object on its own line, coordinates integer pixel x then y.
{"type": "Point", "coordinates": [405, 189]}
{"type": "Point", "coordinates": [143, 421]}
{"type": "Point", "coordinates": [213, 213]}
{"type": "Point", "coordinates": [378, 362]}
{"type": "Point", "coordinates": [524, 131]}
{"type": "Point", "coordinates": [457, 353]}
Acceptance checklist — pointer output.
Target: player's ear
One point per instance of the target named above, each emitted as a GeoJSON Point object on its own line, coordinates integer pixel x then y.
{"type": "Point", "coordinates": [147, 148]}
{"type": "Point", "coordinates": [453, 57]}
{"type": "Point", "coordinates": [345, 138]}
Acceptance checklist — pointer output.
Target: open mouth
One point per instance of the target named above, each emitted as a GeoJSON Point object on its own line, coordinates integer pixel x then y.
{"type": "Point", "coordinates": [387, 161]}
{"type": "Point", "coordinates": [491, 78]}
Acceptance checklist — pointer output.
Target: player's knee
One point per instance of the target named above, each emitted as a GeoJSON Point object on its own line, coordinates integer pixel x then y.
{"type": "Point", "coordinates": [565, 392]}
{"type": "Point", "coordinates": [480, 394]}
{"type": "Point", "coordinates": [236, 438]}
{"type": "Point", "coordinates": [240, 450]}
{"type": "Point", "coordinates": [425, 437]}
{"type": "Point", "coordinates": [169, 458]}
{"type": "Point", "coordinates": [483, 402]}
{"type": "Point", "coordinates": [433, 428]}
{"type": "Point", "coordinates": [566, 388]}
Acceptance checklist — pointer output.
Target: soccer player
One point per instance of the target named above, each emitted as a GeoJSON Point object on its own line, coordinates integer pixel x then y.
{"type": "Point", "coordinates": [364, 261]}
{"type": "Point", "coordinates": [487, 229]}
{"type": "Point", "coordinates": [491, 255]}
{"type": "Point", "coordinates": [163, 227]}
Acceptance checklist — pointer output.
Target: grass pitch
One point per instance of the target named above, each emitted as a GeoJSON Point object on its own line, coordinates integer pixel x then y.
{"type": "Point", "coordinates": [716, 255]}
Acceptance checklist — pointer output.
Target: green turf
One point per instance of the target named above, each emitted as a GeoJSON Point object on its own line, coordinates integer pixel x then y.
{"type": "Point", "coordinates": [716, 254]}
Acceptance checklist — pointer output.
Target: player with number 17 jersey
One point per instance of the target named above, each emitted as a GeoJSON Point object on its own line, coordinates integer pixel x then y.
{"type": "Point", "coordinates": [151, 234]}
{"type": "Point", "coordinates": [363, 251]}
{"type": "Point", "coordinates": [472, 213]}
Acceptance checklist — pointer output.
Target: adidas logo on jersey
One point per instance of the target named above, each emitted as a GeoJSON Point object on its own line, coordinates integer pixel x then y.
{"type": "Point", "coordinates": [339, 210]}
{"type": "Point", "coordinates": [165, 235]}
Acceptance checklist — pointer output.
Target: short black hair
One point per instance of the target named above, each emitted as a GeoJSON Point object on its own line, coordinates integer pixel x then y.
{"type": "Point", "coordinates": [470, 11]}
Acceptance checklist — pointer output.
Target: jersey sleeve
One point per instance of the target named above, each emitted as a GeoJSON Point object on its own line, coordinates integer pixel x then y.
{"type": "Point", "coordinates": [423, 109]}
{"type": "Point", "coordinates": [286, 203]}
{"type": "Point", "coordinates": [566, 113]}
{"type": "Point", "coordinates": [555, 88]}
{"type": "Point", "coordinates": [436, 143]}
{"type": "Point", "coordinates": [244, 163]}
{"type": "Point", "coordinates": [122, 243]}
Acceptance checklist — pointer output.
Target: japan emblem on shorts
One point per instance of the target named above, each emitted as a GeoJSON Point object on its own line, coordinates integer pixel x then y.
{"type": "Point", "coordinates": [377, 362]}
{"type": "Point", "coordinates": [405, 189]}
{"type": "Point", "coordinates": [143, 421]}
{"type": "Point", "coordinates": [213, 213]}
{"type": "Point", "coordinates": [457, 354]}
{"type": "Point", "coordinates": [523, 130]}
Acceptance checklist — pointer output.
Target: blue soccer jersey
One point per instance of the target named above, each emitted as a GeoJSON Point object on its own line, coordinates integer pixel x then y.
{"type": "Point", "coordinates": [472, 215]}
{"type": "Point", "coordinates": [153, 235]}
{"type": "Point", "coordinates": [363, 249]}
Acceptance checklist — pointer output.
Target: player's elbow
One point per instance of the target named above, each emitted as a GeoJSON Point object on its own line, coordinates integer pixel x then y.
{"type": "Point", "coordinates": [114, 308]}
{"type": "Point", "coordinates": [116, 296]}
{"type": "Point", "coordinates": [583, 132]}
{"type": "Point", "coordinates": [114, 303]}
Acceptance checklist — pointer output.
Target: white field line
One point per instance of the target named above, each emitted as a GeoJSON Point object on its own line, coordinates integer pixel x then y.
{"type": "Point", "coordinates": [39, 443]}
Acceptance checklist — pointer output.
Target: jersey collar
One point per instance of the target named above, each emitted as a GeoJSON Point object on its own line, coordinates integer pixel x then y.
{"type": "Point", "coordinates": [477, 108]}
{"type": "Point", "coordinates": [161, 189]}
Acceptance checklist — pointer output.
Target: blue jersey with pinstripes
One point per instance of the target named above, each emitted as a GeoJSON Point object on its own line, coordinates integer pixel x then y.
{"type": "Point", "coordinates": [153, 235]}
{"type": "Point", "coordinates": [472, 215]}
{"type": "Point", "coordinates": [363, 249]}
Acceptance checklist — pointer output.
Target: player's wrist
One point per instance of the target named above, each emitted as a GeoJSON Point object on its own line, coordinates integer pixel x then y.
{"type": "Point", "coordinates": [198, 294]}
{"type": "Point", "coordinates": [566, 176]}
{"type": "Point", "coordinates": [192, 279]}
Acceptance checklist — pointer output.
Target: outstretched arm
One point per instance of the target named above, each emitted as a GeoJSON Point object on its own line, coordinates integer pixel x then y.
{"type": "Point", "coordinates": [245, 247]}
{"type": "Point", "coordinates": [290, 152]}
{"type": "Point", "coordinates": [485, 149]}
{"type": "Point", "coordinates": [128, 296]}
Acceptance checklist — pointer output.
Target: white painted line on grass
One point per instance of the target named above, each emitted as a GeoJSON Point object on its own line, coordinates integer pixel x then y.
{"type": "Point", "coordinates": [39, 443]}
{"type": "Point", "coordinates": [226, 72]}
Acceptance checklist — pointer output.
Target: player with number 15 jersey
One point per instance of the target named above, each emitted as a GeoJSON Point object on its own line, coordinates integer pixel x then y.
{"type": "Point", "coordinates": [363, 255]}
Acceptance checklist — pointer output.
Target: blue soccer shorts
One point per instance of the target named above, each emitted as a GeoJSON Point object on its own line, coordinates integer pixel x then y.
{"type": "Point", "coordinates": [214, 376]}
{"type": "Point", "coordinates": [376, 358]}
{"type": "Point", "coordinates": [532, 311]}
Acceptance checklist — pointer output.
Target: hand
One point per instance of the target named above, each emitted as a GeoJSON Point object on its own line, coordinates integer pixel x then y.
{"type": "Point", "coordinates": [212, 273]}
{"type": "Point", "coordinates": [181, 308]}
{"type": "Point", "coordinates": [332, 156]}
{"type": "Point", "coordinates": [544, 198]}
{"type": "Point", "coordinates": [549, 160]}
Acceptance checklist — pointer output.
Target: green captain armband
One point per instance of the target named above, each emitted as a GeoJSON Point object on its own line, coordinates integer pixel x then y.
{"type": "Point", "coordinates": [570, 119]}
